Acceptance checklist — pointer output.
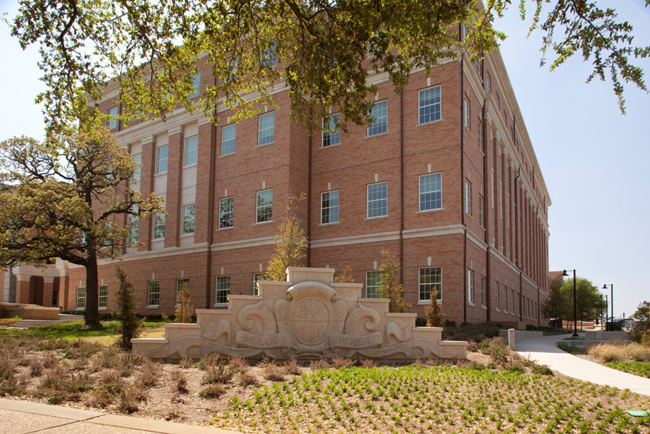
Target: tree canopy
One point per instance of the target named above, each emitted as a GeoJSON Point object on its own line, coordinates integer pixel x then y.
{"type": "Point", "coordinates": [325, 50]}
{"type": "Point", "coordinates": [559, 304]}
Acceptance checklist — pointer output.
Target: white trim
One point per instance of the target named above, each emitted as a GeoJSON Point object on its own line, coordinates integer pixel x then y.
{"type": "Point", "coordinates": [356, 239]}
{"type": "Point", "coordinates": [434, 231]}
{"type": "Point", "coordinates": [254, 242]}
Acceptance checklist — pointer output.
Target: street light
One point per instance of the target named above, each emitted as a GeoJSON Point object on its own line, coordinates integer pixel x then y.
{"type": "Point", "coordinates": [611, 299]}
{"type": "Point", "coordinates": [575, 305]}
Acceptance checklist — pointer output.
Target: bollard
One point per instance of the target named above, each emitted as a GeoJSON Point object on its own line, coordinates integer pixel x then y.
{"type": "Point", "coordinates": [511, 339]}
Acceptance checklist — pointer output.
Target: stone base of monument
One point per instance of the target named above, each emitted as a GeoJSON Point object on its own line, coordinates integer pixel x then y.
{"type": "Point", "coordinates": [307, 317]}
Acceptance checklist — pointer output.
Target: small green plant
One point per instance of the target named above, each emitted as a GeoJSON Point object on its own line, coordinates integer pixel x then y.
{"type": "Point", "coordinates": [126, 313]}
{"type": "Point", "coordinates": [184, 309]}
{"type": "Point", "coordinates": [435, 317]}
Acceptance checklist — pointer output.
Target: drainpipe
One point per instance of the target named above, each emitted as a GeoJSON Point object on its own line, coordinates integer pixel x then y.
{"type": "Point", "coordinates": [486, 218]}
{"type": "Point", "coordinates": [462, 177]}
{"type": "Point", "coordinates": [309, 193]}
{"type": "Point", "coordinates": [210, 238]}
{"type": "Point", "coordinates": [401, 187]}
{"type": "Point", "coordinates": [517, 240]}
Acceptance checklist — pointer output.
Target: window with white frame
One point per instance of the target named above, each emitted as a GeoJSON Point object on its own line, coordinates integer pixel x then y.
{"type": "Point", "coordinates": [378, 118]}
{"type": "Point", "coordinates": [505, 299]}
{"type": "Point", "coordinates": [223, 289]}
{"type": "Point", "coordinates": [466, 113]}
{"type": "Point", "coordinates": [514, 305]}
{"type": "Point", "coordinates": [429, 103]}
{"type": "Point", "coordinates": [268, 58]}
{"type": "Point", "coordinates": [161, 159]}
{"type": "Point", "coordinates": [373, 280]}
{"type": "Point", "coordinates": [137, 173]}
{"type": "Point", "coordinates": [331, 133]}
{"type": "Point", "coordinates": [189, 213]}
{"type": "Point", "coordinates": [496, 295]}
{"type": "Point", "coordinates": [430, 191]}
{"type": "Point", "coordinates": [228, 139]}
{"type": "Point", "coordinates": [153, 293]}
{"type": "Point", "coordinates": [480, 211]}
{"type": "Point", "coordinates": [179, 287]}
{"type": "Point", "coordinates": [329, 211]}
{"type": "Point", "coordinates": [103, 296]}
{"type": "Point", "coordinates": [430, 279]}
{"type": "Point", "coordinates": [256, 278]}
{"type": "Point", "coordinates": [196, 85]}
{"type": "Point", "coordinates": [191, 150]}
{"type": "Point", "coordinates": [468, 197]}
{"type": "Point", "coordinates": [377, 200]}
{"type": "Point", "coordinates": [133, 229]}
{"type": "Point", "coordinates": [488, 84]}
{"type": "Point", "coordinates": [264, 206]}
{"type": "Point", "coordinates": [226, 212]}
{"type": "Point", "coordinates": [483, 297]}
{"type": "Point", "coordinates": [470, 286]}
{"type": "Point", "coordinates": [479, 132]}
{"type": "Point", "coordinates": [159, 225]}
{"type": "Point", "coordinates": [112, 123]}
{"type": "Point", "coordinates": [81, 297]}
{"type": "Point", "coordinates": [266, 132]}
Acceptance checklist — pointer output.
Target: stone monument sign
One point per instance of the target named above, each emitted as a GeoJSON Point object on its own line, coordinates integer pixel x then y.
{"type": "Point", "coordinates": [308, 316]}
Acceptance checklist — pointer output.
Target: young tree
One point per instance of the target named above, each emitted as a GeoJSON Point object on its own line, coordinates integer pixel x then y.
{"type": "Point", "coordinates": [435, 317]}
{"type": "Point", "coordinates": [66, 199]}
{"type": "Point", "coordinates": [126, 312]}
{"type": "Point", "coordinates": [556, 307]}
{"type": "Point", "coordinates": [641, 332]}
{"type": "Point", "coordinates": [389, 285]}
{"type": "Point", "coordinates": [184, 310]}
{"type": "Point", "coordinates": [345, 276]}
{"type": "Point", "coordinates": [290, 243]}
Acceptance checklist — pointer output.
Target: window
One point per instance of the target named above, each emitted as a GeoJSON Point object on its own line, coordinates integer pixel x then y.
{"type": "Point", "coordinates": [377, 200]}
{"type": "Point", "coordinates": [159, 225]}
{"type": "Point", "coordinates": [223, 289]}
{"type": "Point", "coordinates": [505, 299]}
{"type": "Point", "coordinates": [429, 104]}
{"type": "Point", "coordinates": [256, 278]}
{"type": "Point", "coordinates": [496, 295]}
{"type": "Point", "coordinates": [266, 129]}
{"type": "Point", "coordinates": [112, 123]}
{"type": "Point", "coordinates": [264, 206]}
{"type": "Point", "coordinates": [228, 139]}
{"type": "Point", "coordinates": [226, 208]}
{"type": "Point", "coordinates": [431, 192]}
{"type": "Point", "coordinates": [512, 291]}
{"type": "Point", "coordinates": [133, 229]}
{"type": "Point", "coordinates": [268, 58]}
{"type": "Point", "coordinates": [329, 211]}
{"type": "Point", "coordinates": [483, 291]}
{"type": "Point", "coordinates": [191, 150]}
{"type": "Point", "coordinates": [137, 174]}
{"type": "Point", "coordinates": [470, 286]}
{"type": "Point", "coordinates": [103, 296]}
{"type": "Point", "coordinates": [196, 85]}
{"type": "Point", "coordinates": [468, 197]}
{"type": "Point", "coordinates": [189, 213]}
{"type": "Point", "coordinates": [430, 279]}
{"type": "Point", "coordinates": [161, 159]}
{"type": "Point", "coordinates": [81, 297]}
{"type": "Point", "coordinates": [378, 118]}
{"type": "Point", "coordinates": [373, 279]}
{"type": "Point", "coordinates": [179, 288]}
{"type": "Point", "coordinates": [331, 134]}
{"type": "Point", "coordinates": [488, 84]}
{"type": "Point", "coordinates": [479, 128]}
{"type": "Point", "coordinates": [153, 293]}
{"type": "Point", "coordinates": [466, 113]}
{"type": "Point", "coordinates": [480, 211]}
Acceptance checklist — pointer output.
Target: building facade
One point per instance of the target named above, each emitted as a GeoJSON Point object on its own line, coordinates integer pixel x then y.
{"type": "Point", "coordinates": [446, 179]}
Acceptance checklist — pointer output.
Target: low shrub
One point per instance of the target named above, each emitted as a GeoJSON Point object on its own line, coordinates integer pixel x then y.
{"type": "Point", "coordinates": [472, 332]}
{"type": "Point", "coordinates": [220, 373]}
{"type": "Point", "coordinates": [247, 379]}
{"type": "Point", "coordinates": [291, 367]}
{"type": "Point", "coordinates": [495, 348]}
{"type": "Point", "coordinates": [273, 373]}
{"type": "Point", "coordinates": [616, 352]}
{"type": "Point", "coordinates": [420, 321]}
{"type": "Point", "coordinates": [179, 381]}
{"type": "Point", "coordinates": [212, 391]}
{"type": "Point", "coordinates": [342, 362]}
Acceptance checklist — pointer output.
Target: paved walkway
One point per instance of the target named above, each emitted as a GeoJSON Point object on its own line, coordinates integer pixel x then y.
{"type": "Point", "coordinates": [544, 351]}
{"type": "Point", "coordinates": [22, 417]}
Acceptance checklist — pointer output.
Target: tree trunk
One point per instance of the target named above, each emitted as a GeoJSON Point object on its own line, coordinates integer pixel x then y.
{"type": "Point", "coordinates": [92, 293]}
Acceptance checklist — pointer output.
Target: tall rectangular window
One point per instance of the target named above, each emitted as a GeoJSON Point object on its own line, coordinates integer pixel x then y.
{"type": "Point", "coordinates": [159, 225]}
{"type": "Point", "coordinates": [470, 286]}
{"type": "Point", "coordinates": [226, 211]}
{"type": "Point", "coordinates": [196, 85]}
{"type": "Point", "coordinates": [329, 211]}
{"type": "Point", "coordinates": [179, 287]}
{"type": "Point", "coordinates": [431, 192]}
{"type": "Point", "coordinates": [430, 279]}
{"type": "Point", "coordinates": [112, 123]}
{"type": "Point", "coordinates": [488, 84]}
{"type": "Point", "coordinates": [479, 131]}
{"type": "Point", "coordinates": [103, 296]}
{"type": "Point", "coordinates": [256, 278]}
{"type": "Point", "coordinates": [266, 133]}
{"type": "Point", "coordinates": [331, 134]}
{"type": "Point", "coordinates": [81, 297]}
{"type": "Point", "coordinates": [483, 300]}
{"type": "Point", "coordinates": [481, 216]}
{"type": "Point", "coordinates": [223, 289]}
{"type": "Point", "coordinates": [228, 139]}
{"type": "Point", "coordinates": [191, 150]}
{"type": "Point", "coordinates": [189, 213]}
{"type": "Point", "coordinates": [514, 305]}
{"type": "Point", "coordinates": [268, 58]}
{"type": "Point", "coordinates": [466, 113]}
{"type": "Point", "coordinates": [378, 114]}
{"type": "Point", "coordinates": [153, 293]}
{"type": "Point", "coordinates": [429, 103]}
{"type": "Point", "coordinates": [133, 229]}
{"type": "Point", "coordinates": [505, 299]}
{"type": "Point", "coordinates": [496, 295]}
{"type": "Point", "coordinates": [137, 173]}
{"type": "Point", "coordinates": [468, 197]}
{"type": "Point", "coordinates": [161, 159]}
{"type": "Point", "coordinates": [373, 279]}
{"type": "Point", "coordinates": [377, 200]}
{"type": "Point", "coordinates": [264, 212]}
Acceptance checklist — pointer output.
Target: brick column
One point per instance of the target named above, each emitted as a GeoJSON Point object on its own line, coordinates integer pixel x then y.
{"type": "Point", "coordinates": [204, 190]}
{"type": "Point", "coordinates": [22, 289]}
{"type": "Point", "coordinates": [48, 286]}
{"type": "Point", "coordinates": [146, 187]}
{"type": "Point", "coordinates": [174, 186]}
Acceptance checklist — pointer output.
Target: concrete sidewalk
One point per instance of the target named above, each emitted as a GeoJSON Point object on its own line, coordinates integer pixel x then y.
{"type": "Point", "coordinates": [22, 417]}
{"type": "Point", "coordinates": [544, 351]}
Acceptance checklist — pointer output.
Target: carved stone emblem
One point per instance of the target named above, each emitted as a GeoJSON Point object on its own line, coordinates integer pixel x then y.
{"type": "Point", "coordinates": [311, 320]}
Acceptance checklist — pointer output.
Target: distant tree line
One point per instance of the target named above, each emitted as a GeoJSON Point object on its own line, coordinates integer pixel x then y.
{"type": "Point", "coordinates": [559, 304]}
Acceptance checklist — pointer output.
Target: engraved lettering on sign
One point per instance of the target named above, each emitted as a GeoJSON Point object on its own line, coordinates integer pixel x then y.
{"type": "Point", "coordinates": [278, 340]}
{"type": "Point", "coordinates": [311, 321]}
{"type": "Point", "coordinates": [349, 341]}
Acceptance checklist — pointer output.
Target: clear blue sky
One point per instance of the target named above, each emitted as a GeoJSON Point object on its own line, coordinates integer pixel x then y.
{"type": "Point", "coordinates": [596, 162]}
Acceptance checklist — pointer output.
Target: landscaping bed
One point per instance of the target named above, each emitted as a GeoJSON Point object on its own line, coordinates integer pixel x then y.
{"type": "Point", "coordinates": [631, 358]}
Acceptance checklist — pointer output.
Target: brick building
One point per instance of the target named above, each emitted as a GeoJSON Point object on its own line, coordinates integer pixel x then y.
{"type": "Point", "coordinates": [446, 179]}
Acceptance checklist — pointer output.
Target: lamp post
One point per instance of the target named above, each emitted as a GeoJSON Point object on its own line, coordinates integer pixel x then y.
{"type": "Point", "coordinates": [575, 305]}
{"type": "Point", "coordinates": [611, 301]}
